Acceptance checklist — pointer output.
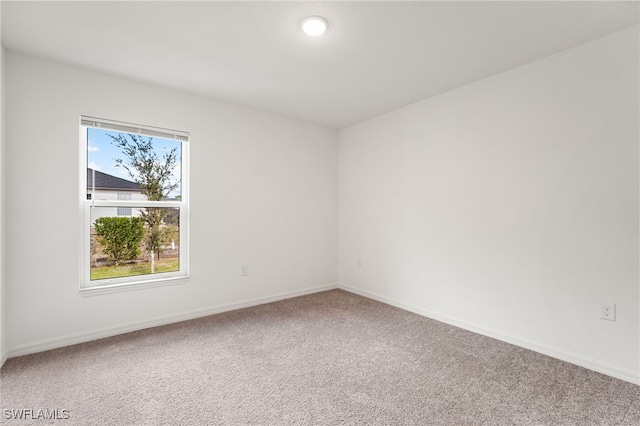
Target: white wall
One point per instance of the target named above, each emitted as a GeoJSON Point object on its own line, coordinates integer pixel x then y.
{"type": "Point", "coordinates": [3, 352]}
{"type": "Point", "coordinates": [263, 193]}
{"type": "Point", "coordinates": [509, 206]}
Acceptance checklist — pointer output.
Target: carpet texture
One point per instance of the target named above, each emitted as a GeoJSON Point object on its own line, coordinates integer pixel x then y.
{"type": "Point", "coordinates": [325, 359]}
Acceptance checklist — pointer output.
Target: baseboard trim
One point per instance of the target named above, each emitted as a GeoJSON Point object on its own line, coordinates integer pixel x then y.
{"type": "Point", "coordinates": [573, 358]}
{"type": "Point", "coordinates": [87, 336]}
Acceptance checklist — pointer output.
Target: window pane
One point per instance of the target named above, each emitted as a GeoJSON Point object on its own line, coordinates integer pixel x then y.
{"type": "Point", "coordinates": [124, 211]}
{"type": "Point", "coordinates": [147, 242]}
{"type": "Point", "coordinates": [147, 166]}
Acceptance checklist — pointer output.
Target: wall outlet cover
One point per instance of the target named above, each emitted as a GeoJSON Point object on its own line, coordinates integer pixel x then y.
{"type": "Point", "coordinates": [607, 310]}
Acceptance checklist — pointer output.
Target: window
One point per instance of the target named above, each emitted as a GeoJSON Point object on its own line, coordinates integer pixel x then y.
{"type": "Point", "coordinates": [134, 191]}
{"type": "Point", "coordinates": [124, 211]}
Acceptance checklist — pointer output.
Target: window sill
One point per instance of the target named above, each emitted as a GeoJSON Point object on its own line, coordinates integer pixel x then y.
{"type": "Point", "coordinates": [130, 286]}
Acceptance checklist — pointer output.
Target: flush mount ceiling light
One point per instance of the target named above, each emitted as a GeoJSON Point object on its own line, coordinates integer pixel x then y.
{"type": "Point", "coordinates": [314, 25]}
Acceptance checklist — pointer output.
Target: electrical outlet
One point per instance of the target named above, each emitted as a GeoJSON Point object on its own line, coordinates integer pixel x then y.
{"type": "Point", "coordinates": [607, 310]}
{"type": "Point", "coordinates": [244, 270]}
{"type": "Point", "coordinates": [359, 263]}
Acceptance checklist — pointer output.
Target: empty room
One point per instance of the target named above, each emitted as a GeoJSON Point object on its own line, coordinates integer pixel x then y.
{"type": "Point", "coordinates": [320, 213]}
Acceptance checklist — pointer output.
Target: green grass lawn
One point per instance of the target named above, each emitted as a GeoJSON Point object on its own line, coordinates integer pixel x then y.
{"type": "Point", "coordinates": [132, 269]}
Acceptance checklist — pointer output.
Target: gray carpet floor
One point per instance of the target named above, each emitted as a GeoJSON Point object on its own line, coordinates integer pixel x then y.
{"type": "Point", "coordinates": [331, 358]}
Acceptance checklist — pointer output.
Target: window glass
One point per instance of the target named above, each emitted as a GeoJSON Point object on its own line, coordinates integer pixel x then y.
{"type": "Point", "coordinates": [135, 224]}
{"type": "Point", "coordinates": [118, 244]}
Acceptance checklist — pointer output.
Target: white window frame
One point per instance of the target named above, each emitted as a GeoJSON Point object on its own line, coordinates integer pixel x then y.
{"type": "Point", "coordinates": [88, 286]}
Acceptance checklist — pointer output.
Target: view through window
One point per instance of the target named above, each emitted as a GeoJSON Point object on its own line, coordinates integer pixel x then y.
{"type": "Point", "coordinates": [135, 203]}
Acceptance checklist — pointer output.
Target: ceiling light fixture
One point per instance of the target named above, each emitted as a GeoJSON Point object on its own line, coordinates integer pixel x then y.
{"type": "Point", "coordinates": [314, 25]}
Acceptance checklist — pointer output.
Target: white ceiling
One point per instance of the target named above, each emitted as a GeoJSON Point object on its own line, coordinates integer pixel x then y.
{"type": "Point", "coordinates": [375, 56]}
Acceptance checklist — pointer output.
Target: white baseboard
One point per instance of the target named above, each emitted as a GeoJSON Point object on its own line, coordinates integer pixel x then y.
{"type": "Point", "coordinates": [75, 338]}
{"type": "Point", "coordinates": [573, 358]}
{"type": "Point", "coordinates": [87, 336]}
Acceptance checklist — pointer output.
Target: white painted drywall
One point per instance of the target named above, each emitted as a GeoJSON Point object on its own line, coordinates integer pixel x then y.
{"type": "Point", "coordinates": [263, 193]}
{"type": "Point", "coordinates": [3, 353]}
{"type": "Point", "coordinates": [508, 206]}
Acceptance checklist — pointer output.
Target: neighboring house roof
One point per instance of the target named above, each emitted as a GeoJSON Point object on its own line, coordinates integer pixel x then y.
{"type": "Point", "coordinates": [105, 181]}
